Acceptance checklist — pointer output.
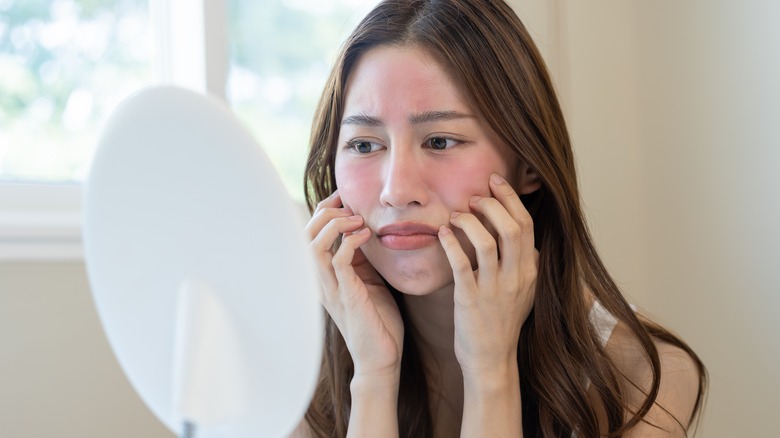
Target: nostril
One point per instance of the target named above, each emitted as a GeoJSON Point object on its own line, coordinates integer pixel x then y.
{"type": "Point", "coordinates": [403, 182]}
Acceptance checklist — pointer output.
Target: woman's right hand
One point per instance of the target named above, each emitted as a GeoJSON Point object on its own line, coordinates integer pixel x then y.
{"type": "Point", "coordinates": [353, 293]}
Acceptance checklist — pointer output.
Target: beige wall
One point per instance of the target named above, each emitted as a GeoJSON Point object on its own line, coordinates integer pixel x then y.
{"type": "Point", "coordinates": [58, 377]}
{"type": "Point", "coordinates": [710, 114]}
{"type": "Point", "coordinates": [674, 109]}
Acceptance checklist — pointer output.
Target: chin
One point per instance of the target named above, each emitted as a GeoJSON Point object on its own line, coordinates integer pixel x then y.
{"type": "Point", "coordinates": [416, 280]}
{"type": "Point", "coordinates": [418, 273]}
{"type": "Point", "coordinates": [417, 288]}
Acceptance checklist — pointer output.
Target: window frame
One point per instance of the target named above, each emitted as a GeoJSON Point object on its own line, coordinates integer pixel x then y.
{"type": "Point", "coordinates": [40, 222]}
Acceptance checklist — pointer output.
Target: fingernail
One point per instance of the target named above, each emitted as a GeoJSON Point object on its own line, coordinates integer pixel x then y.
{"type": "Point", "coordinates": [363, 231]}
{"type": "Point", "coordinates": [356, 218]}
{"type": "Point", "coordinates": [474, 199]}
{"type": "Point", "coordinates": [454, 214]}
{"type": "Point", "coordinates": [496, 179]}
{"type": "Point", "coordinates": [444, 230]}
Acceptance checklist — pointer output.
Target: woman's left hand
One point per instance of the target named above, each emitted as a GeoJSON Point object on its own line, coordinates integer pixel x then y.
{"type": "Point", "coordinates": [492, 302]}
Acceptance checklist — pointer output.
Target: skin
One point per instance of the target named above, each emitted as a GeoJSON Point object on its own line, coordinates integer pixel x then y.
{"type": "Point", "coordinates": [404, 178]}
{"type": "Point", "coordinates": [468, 293]}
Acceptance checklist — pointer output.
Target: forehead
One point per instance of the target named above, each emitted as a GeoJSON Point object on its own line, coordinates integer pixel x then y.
{"type": "Point", "coordinates": [388, 79]}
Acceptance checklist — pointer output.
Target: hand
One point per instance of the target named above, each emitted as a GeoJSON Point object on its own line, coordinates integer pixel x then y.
{"type": "Point", "coordinates": [493, 302]}
{"type": "Point", "coordinates": [354, 294]}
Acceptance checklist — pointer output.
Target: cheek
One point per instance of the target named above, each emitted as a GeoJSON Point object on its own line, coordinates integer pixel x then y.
{"type": "Point", "coordinates": [357, 184]}
{"type": "Point", "coordinates": [470, 178]}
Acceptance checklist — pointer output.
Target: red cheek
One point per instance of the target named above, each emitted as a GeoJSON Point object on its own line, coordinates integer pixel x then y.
{"type": "Point", "coordinates": [456, 186]}
{"type": "Point", "coordinates": [454, 181]}
{"type": "Point", "coordinates": [358, 185]}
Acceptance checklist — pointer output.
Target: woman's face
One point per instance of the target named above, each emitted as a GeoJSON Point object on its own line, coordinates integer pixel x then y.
{"type": "Point", "coordinates": [411, 150]}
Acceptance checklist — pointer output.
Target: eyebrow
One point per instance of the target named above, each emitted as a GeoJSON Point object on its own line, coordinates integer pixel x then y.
{"type": "Point", "coordinates": [362, 120]}
{"type": "Point", "coordinates": [438, 116]}
{"type": "Point", "coordinates": [415, 119]}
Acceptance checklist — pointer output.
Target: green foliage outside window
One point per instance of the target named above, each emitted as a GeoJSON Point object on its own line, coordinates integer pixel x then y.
{"type": "Point", "coordinates": [281, 54]}
{"type": "Point", "coordinates": [63, 65]}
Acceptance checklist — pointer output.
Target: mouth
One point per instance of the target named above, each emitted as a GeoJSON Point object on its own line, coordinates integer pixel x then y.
{"type": "Point", "coordinates": [406, 236]}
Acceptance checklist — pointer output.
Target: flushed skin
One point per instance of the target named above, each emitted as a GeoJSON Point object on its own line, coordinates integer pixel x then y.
{"type": "Point", "coordinates": [383, 300]}
{"type": "Point", "coordinates": [405, 179]}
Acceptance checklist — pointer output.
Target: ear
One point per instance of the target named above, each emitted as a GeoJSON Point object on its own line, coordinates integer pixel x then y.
{"type": "Point", "coordinates": [527, 180]}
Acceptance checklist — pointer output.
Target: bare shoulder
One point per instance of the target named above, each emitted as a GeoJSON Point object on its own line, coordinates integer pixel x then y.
{"type": "Point", "coordinates": [302, 430]}
{"type": "Point", "coordinates": [679, 385]}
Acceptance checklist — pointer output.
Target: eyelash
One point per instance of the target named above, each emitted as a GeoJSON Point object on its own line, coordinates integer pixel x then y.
{"type": "Point", "coordinates": [352, 144]}
{"type": "Point", "coordinates": [451, 142]}
{"type": "Point", "coordinates": [448, 140]}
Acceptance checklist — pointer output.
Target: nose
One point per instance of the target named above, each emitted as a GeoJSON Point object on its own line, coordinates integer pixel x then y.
{"type": "Point", "coordinates": [404, 180]}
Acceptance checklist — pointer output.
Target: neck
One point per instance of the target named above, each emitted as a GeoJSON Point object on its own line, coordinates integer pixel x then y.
{"type": "Point", "coordinates": [432, 321]}
{"type": "Point", "coordinates": [432, 318]}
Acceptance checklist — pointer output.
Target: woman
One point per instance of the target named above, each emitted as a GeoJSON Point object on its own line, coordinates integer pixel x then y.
{"type": "Point", "coordinates": [464, 294]}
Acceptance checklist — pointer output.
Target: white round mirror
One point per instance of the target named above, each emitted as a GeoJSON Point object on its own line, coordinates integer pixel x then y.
{"type": "Point", "coordinates": [199, 268]}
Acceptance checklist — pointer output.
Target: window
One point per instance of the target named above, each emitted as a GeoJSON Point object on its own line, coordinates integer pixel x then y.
{"type": "Point", "coordinates": [65, 64]}
{"type": "Point", "coordinates": [280, 55]}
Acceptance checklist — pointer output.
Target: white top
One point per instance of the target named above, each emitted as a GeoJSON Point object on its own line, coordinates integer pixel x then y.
{"type": "Point", "coordinates": [604, 323]}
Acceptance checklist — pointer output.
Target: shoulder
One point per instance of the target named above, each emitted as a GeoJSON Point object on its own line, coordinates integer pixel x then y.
{"type": "Point", "coordinates": [679, 385]}
{"type": "Point", "coordinates": [302, 430]}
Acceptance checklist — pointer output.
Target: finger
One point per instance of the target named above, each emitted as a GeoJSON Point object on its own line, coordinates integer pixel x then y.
{"type": "Point", "coordinates": [510, 235]}
{"type": "Point", "coordinates": [329, 285]}
{"type": "Point", "coordinates": [346, 277]}
{"type": "Point", "coordinates": [459, 261]}
{"type": "Point", "coordinates": [484, 243]}
{"type": "Point", "coordinates": [509, 198]}
{"type": "Point", "coordinates": [324, 240]}
{"type": "Point", "coordinates": [322, 246]}
{"type": "Point", "coordinates": [321, 218]}
{"type": "Point", "coordinates": [326, 210]}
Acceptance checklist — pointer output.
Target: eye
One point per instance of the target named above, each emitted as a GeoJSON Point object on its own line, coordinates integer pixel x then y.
{"type": "Point", "coordinates": [363, 146]}
{"type": "Point", "coordinates": [440, 143]}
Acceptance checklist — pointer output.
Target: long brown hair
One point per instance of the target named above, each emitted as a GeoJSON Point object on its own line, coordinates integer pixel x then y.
{"type": "Point", "coordinates": [492, 57]}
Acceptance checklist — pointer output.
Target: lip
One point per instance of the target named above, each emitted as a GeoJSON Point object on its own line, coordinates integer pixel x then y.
{"type": "Point", "coordinates": [408, 229]}
{"type": "Point", "coordinates": [408, 235]}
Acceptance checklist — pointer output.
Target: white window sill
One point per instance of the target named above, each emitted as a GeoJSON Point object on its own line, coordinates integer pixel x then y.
{"type": "Point", "coordinates": [40, 222]}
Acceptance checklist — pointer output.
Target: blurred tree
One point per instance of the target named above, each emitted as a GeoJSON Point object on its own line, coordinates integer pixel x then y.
{"type": "Point", "coordinates": [63, 65]}
{"type": "Point", "coordinates": [281, 53]}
